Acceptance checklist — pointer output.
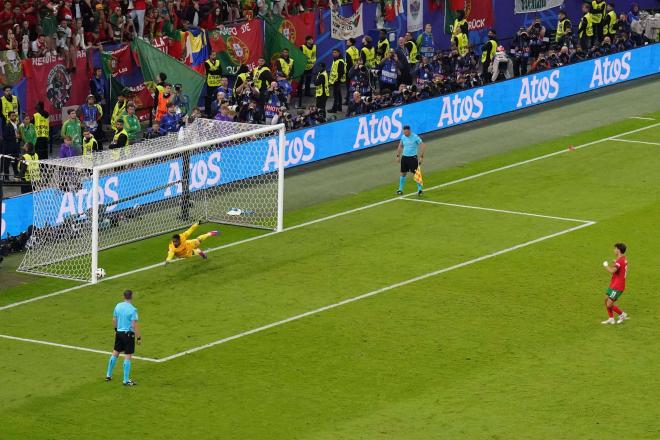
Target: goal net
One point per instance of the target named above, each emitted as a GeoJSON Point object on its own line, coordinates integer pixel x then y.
{"type": "Point", "coordinates": [222, 172]}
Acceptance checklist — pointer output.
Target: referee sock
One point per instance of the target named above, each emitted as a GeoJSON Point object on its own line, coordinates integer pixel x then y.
{"type": "Point", "coordinates": [419, 187]}
{"type": "Point", "coordinates": [111, 366]}
{"type": "Point", "coordinates": [127, 370]}
{"type": "Point", "coordinates": [402, 181]}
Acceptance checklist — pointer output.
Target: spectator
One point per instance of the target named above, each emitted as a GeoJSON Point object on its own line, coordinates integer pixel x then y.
{"type": "Point", "coordinates": [72, 129]}
{"type": "Point", "coordinates": [322, 87]}
{"type": "Point", "coordinates": [180, 100]}
{"type": "Point", "coordinates": [132, 124]}
{"type": "Point", "coordinates": [97, 88]}
{"type": "Point", "coordinates": [67, 149]}
{"type": "Point", "coordinates": [137, 15]}
{"type": "Point", "coordinates": [337, 80]}
{"type": "Point", "coordinates": [224, 88]}
{"type": "Point", "coordinates": [357, 105]}
{"type": "Point", "coordinates": [10, 144]}
{"type": "Point", "coordinates": [171, 120]}
{"type": "Point", "coordinates": [27, 132]}
{"type": "Point", "coordinates": [225, 114]}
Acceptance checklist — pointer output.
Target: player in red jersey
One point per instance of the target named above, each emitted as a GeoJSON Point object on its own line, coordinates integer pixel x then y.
{"type": "Point", "coordinates": [618, 284]}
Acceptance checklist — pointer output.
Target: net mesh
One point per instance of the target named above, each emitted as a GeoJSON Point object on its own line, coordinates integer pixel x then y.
{"type": "Point", "coordinates": [151, 188]}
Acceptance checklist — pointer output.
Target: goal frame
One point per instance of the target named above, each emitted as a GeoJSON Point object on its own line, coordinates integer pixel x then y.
{"type": "Point", "coordinates": [277, 130]}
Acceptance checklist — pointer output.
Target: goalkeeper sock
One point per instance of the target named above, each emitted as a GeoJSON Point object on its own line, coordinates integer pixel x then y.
{"type": "Point", "coordinates": [127, 370]}
{"type": "Point", "coordinates": [402, 181]}
{"type": "Point", "coordinates": [111, 366]}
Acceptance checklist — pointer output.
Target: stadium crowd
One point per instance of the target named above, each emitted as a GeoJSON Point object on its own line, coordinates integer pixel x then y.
{"type": "Point", "coordinates": [377, 75]}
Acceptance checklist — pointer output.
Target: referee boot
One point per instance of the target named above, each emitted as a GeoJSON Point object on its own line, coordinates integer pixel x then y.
{"type": "Point", "coordinates": [130, 383]}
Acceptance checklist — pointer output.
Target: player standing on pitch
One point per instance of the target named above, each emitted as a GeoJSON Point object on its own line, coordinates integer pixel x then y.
{"type": "Point", "coordinates": [413, 154]}
{"type": "Point", "coordinates": [619, 272]}
{"type": "Point", "coordinates": [181, 247]}
{"type": "Point", "coordinates": [125, 322]}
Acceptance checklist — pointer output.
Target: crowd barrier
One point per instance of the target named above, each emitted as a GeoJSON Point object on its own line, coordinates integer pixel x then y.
{"type": "Point", "coordinates": [366, 131]}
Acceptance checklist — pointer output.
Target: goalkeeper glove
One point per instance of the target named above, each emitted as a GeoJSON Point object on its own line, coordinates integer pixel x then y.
{"type": "Point", "coordinates": [605, 264]}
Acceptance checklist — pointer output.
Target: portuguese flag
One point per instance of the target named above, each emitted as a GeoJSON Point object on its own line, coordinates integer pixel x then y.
{"type": "Point", "coordinates": [275, 42]}
{"type": "Point", "coordinates": [238, 44]}
{"type": "Point", "coordinates": [451, 6]}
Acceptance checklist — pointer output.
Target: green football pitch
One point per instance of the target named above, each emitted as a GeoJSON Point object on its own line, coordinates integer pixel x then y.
{"type": "Point", "coordinates": [472, 312]}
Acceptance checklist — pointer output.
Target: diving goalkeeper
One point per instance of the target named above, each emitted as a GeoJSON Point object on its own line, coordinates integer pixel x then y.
{"type": "Point", "coordinates": [181, 247]}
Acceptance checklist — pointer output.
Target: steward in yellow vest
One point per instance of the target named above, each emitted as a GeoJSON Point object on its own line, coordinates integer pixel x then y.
{"type": "Point", "coordinates": [9, 104]}
{"type": "Point", "coordinates": [42, 129]}
{"type": "Point", "coordinates": [609, 23]}
{"type": "Point", "coordinates": [322, 89]}
{"type": "Point", "coordinates": [285, 64]}
{"type": "Point", "coordinates": [382, 47]}
{"type": "Point", "coordinates": [411, 46]}
{"type": "Point", "coordinates": [89, 144]}
{"type": "Point", "coordinates": [462, 44]}
{"type": "Point", "coordinates": [261, 75]}
{"type": "Point", "coordinates": [487, 54]}
{"type": "Point", "coordinates": [309, 50]}
{"type": "Point", "coordinates": [368, 53]}
{"type": "Point", "coordinates": [563, 26]}
{"type": "Point", "coordinates": [586, 28]}
{"type": "Point", "coordinates": [29, 167]}
{"type": "Point", "coordinates": [337, 78]}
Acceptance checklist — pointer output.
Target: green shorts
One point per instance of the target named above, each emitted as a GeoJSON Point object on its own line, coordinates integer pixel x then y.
{"type": "Point", "coordinates": [613, 294]}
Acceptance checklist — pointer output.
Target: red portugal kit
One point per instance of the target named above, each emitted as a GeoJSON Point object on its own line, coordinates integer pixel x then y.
{"type": "Point", "coordinates": [619, 277]}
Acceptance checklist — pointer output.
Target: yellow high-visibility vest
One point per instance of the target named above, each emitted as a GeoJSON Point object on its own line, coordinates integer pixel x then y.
{"type": "Point", "coordinates": [310, 54]}
{"type": "Point", "coordinates": [369, 57]}
{"type": "Point", "coordinates": [354, 53]}
{"type": "Point", "coordinates": [287, 66]}
{"type": "Point", "coordinates": [41, 126]}
{"type": "Point", "coordinates": [589, 30]}
{"type": "Point", "coordinates": [324, 89]}
{"type": "Point", "coordinates": [384, 47]}
{"type": "Point", "coordinates": [412, 51]}
{"type": "Point", "coordinates": [562, 25]}
{"type": "Point", "coordinates": [493, 49]}
{"type": "Point", "coordinates": [256, 75]}
{"type": "Point", "coordinates": [214, 74]}
{"type": "Point", "coordinates": [89, 146]}
{"type": "Point", "coordinates": [32, 162]}
{"type": "Point", "coordinates": [463, 44]}
{"type": "Point", "coordinates": [456, 30]}
{"type": "Point", "coordinates": [611, 28]}
{"type": "Point", "coordinates": [598, 8]}
{"type": "Point", "coordinates": [334, 71]}
{"type": "Point", "coordinates": [9, 106]}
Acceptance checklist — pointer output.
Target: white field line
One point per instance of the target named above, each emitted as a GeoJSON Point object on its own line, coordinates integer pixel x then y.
{"type": "Point", "coordinates": [71, 347]}
{"type": "Point", "coordinates": [373, 293]}
{"type": "Point", "coordinates": [503, 211]}
{"type": "Point", "coordinates": [630, 141]}
{"type": "Point", "coordinates": [340, 214]}
{"type": "Point", "coordinates": [642, 118]}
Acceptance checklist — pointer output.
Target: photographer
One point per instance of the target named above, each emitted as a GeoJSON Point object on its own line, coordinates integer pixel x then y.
{"type": "Point", "coordinates": [423, 72]}
{"type": "Point", "coordinates": [251, 113]}
{"type": "Point", "coordinates": [521, 52]}
{"type": "Point", "coordinates": [274, 99]}
{"type": "Point", "coordinates": [536, 35]}
{"type": "Point", "coordinates": [541, 64]}
{"type": "Point", "coordinates": [502, 66]}
{"type": "Point", "coordinates": [389, 72]}
{"type": "Point", "coordinates": [358, 78]}
{"type": "Point", "coordinates": [356, 106]}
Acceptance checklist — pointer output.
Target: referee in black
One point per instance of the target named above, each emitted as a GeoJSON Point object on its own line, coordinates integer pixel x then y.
{"type": "Point", "coordinates": [125, 322]}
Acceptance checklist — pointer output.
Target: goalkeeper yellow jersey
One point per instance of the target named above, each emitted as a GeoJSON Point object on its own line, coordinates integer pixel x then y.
{"type": "Point", "coordinates": [186, 248]}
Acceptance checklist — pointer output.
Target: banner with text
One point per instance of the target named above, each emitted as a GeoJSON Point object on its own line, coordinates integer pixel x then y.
{"type": "Point", "coordinates": [525, 6]}
{"type": "Point", "coordinates": [367, 131]}
{"type": "Point", "coordinates": [344, 28]}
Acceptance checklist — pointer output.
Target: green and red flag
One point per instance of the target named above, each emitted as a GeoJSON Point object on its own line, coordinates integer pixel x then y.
{"type": "Point", "coordinates": [275, 42]}
{"type": "Point", "coordinates": [296, 27]}
{"type": "Point", "coordinates": [238, 44]}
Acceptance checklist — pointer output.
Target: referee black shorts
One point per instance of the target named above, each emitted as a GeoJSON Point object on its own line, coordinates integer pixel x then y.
{"type": "Point", "coordinates": [409, 164]}
{"type": "Point", "coordinates": [125, 342]}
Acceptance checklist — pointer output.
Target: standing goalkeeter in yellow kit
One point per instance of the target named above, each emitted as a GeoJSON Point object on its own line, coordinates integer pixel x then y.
{"type": "Point", "coordinates": [181, 247]}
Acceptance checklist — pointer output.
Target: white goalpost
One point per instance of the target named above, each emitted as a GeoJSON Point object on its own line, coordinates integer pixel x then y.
{"type": "Point", "coordinates": [215, 171]}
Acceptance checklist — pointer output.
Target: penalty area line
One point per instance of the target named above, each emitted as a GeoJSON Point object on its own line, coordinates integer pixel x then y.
{"type": "Point", "coordinates": [70, 347]}
{"type": "Point", "coordinates": [374, 292]}
{"type": "Point", "coordinates": [339, 214]}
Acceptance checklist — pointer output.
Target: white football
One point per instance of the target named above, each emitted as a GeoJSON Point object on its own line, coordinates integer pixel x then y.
{"type": "Point", "coordinates": [100, 272]}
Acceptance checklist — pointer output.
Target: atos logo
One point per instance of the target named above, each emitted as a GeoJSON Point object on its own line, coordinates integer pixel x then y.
{"type": "Point", "coordinates": [297, 150]}
{"type": "Point", "coordinates": [538, 90]}
{"type": "Point", "coordinates": [456, 109]}
{"type": "Point", "coordinates": [374, 130]}
{"type": "Point", "coordinates": [76, 203]}
{"type": "Point", "coordinates": [608, 71]}
{"type": "Point", "coordinates": [203, 173]}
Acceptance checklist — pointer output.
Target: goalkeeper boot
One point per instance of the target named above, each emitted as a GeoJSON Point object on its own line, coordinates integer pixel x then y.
{"type": "Point", "coordinates": [214, 233]}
